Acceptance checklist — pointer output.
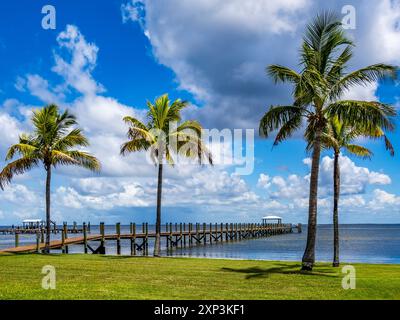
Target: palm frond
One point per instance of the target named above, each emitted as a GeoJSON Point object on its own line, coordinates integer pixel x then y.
{"type": "Point", "coordinates": [134, 146]}
{"type": "Point", "coordinates": [283, 74]}
{"type": "Point", "coordinates": [363, 77]}
{"type": "Point", "coordinates": [359, 151]}
{"type": "Point", "coordinates": [77, 158]}
{"type": "Point", "coordinates": [23, 149]}
{"type": "Point", "coordinates": [72, 139]}
{"type": "Point", "coordinates": [19, 166]}
{"type": "Point", "coordinates": [278, 116]}
{"type": "Point", "coordinates": [367, 114]}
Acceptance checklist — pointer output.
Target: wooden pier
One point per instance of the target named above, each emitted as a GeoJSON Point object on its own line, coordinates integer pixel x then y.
{"type": "Point", "coordinates": [177, 235]}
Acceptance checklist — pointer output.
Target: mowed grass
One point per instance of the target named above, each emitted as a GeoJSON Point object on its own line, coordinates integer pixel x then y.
{"type": "Point", "coordinates": [111, 277]}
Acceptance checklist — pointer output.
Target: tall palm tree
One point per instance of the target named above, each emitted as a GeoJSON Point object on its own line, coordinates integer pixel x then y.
{"type": "Point", "coordinates": [50, 144]}
{"type": "Point", "coordinates": [318, 88]}
{"type": "Point", "coordinates": [166, 137]}
{"type": "Point", "coordinates": [338, 137]}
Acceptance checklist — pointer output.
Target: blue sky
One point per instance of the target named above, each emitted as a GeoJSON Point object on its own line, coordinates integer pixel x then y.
{"type": "Point", "coordinates": [212, 53]}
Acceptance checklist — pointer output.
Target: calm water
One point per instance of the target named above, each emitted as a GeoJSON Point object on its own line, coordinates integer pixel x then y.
{"type": "Point", "coordinates": [359, 243]}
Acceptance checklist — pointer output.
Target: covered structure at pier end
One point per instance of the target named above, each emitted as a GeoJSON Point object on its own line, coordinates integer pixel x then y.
{"type": "Point", "coordinates": [271, 219]}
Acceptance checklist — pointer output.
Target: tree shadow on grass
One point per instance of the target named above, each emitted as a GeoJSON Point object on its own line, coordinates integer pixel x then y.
{"type": "Point", "coordinates": [257, 272]}
{"type": "Point", "coordinates": [123, 257]}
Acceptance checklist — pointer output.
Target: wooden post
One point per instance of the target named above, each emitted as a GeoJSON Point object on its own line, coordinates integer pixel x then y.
{"type": "Point", "coordinates": [226, 232]}
{"type": "Point", "coordinates": [197, 233]}
{"type": "Point", "coordinates": [222, 233]}
{"type": "Point", "coordinates": [170, 236]}
{"type": "Point", "coordinates": [236, 231]}
{"type": "Point", "coordinates": [85, 245]}
{"type": "Point", "coordinates": [167, 241]}
{"type": "Point", "coordinates": [190, 234]}
{"type": "Point", "coordinates": [147, 239]}
{"type": "Point", "coordinates": [184, 234]}
{"type": "Point", "coordinates": [176, 234]}
{"type": "Point", "coordinates": [118, 231]}
{"type": "Point", "coordinates": [75, 228]}
{"type": "Point", "coordinates": [16, 239]}
{"type": "Point", "coordinates": [63, 239]}
{"type": "Point", "coordinates": [143, 240]}
{"type": "Point", "coordinates": [211, 233]}
{"type": "Point", "coordinates": [133, 242]}
{"type": "Point", "coordinates": [204, 233]}
{"type": "Point", "coordinates": [102, 233]}
{"type": "Point", "coordinates": [37, 242]}
{"type": "Point", "coordinates": [42, 235]}
{"type": "Point", "coordinates": [180, 233]}
{"type": "Point", "coordinates": [65, 229]}
{"type": "Point", "coordinates": [88, 227]}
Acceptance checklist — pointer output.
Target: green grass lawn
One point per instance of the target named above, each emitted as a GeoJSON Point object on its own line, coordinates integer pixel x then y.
{"type": "Point", "coordinates": [110, 277]}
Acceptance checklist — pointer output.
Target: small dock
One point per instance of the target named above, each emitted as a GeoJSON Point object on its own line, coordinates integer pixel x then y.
{"type": "Point", "coordinates": [71, 229]}
{"type": "Point", "coordinates": [173, 236]}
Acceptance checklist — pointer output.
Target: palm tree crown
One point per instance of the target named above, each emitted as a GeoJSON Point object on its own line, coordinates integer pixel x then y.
{"type": "Point", "coordinates": [339, 136]}
{"type": "Point", "coordinates": [50, 144]}
{"type": "Point", "coordinates": [164, 135]}
{"type": "Point", "coordinates": [322, 81]}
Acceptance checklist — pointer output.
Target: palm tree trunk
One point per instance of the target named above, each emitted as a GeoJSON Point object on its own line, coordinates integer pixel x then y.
{"type": "Point", "coordinates": [309, 253]}
{"type": "Point", "coordinates": [157, 243]}
{"type": "Point", "coordinates": [48, 221]}
{"type": "Point", "coordinates": [336, 194]}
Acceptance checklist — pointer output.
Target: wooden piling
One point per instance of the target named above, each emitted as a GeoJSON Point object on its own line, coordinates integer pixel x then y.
{"type": "Point", "coordinates": [190, 234]}
{"type": "Point", "coordinates": [63, 239]}
{"type": "Point", "coordinates": [184, 235]}
{"type": "Point", "coordinates": [37, 242]}
{"type": "Point", "coordinates": [180, 234]}
{"type": "Point", "coordinates": [17, 239]}
{"type": "Point", "coordinates": [65, 229]}
{"type": "Point", "coordinates": [85, 242]}
{"type": "Point", "coordinates": [170, 236]}
{"type": "Point", "coordinates": [102, 233]}
{"type": "Point", "coordinates": [176, 235]}
{"type": "Point", "coordinates": [118, 231]}
{"type": "Point", "coordinates": [75, 227]}
{"type": "Point", "coordinates": [143, 240]}
{"type": "Point", "coordinates": [147, 239]}
{"type": "Point", "coordinates": [197, 233]}
{"type": "Point", "coordinates": [133, 239]}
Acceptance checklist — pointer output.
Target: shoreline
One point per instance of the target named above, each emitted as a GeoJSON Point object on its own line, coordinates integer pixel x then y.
{"type": "Point", "coordinates": [122, 256]}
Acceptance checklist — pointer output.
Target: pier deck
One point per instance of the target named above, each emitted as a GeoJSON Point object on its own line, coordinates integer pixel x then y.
{"type": "Point", "coordinates": [175, 236]}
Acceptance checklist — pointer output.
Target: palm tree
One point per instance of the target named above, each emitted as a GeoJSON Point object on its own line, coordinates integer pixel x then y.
{"type": "Point", "coordinates": [339, 137]}
{"type": "Point", "coordinates": [50, 144]}
{"type": "Point", "coordinates": [318, 88]}
{"type": "Point", "coordinates": [165, 137]}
